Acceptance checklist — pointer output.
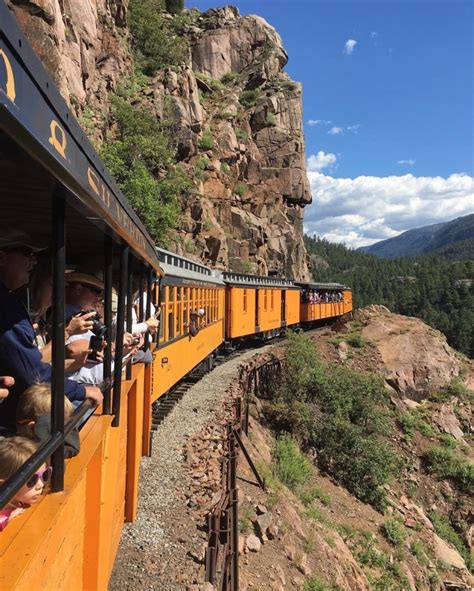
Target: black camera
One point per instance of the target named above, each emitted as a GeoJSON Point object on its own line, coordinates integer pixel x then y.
{"type": "Point", "coordinates": [98, 327]}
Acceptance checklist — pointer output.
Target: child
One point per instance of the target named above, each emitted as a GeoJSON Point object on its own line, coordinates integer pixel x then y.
{"type": "Point", "coordinates": [14, 451]}
{"type": "Point", "coordinates": [33, 417]}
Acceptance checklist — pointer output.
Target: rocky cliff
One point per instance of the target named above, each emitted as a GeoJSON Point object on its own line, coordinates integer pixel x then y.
{"type": "Point", "coordinates": [235, 114]}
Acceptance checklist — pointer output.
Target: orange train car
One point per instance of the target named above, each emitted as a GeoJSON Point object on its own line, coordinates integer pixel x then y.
{"type": "Point", "coordinates": [259, 306]}
{"type": "Point", "coordinates": [186, 288]}
{"type": "Point", "coordinates": [322, 301]}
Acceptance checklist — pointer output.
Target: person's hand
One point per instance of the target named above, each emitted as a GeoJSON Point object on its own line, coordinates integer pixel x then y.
{"type": "Point", "coordinates": [153, 324]}
{"type": "Point", "coordinates": [93, 393]}
{"type": "Point", "coordinates": [128, 339]}
{"type": "Point", "coordinates": [5, 383]}
{"type": "Point", "coordinates": [80, 324]}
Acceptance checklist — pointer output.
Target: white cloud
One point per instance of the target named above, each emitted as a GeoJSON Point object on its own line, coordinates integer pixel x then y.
{"type": "Point", "coordinates": [366, 209]}
{"type": "Point", "coordinates": [410, 162]}
{"type": "Point", "coordinates": [353, 128]}
{"type": "Point", "coordinates": [349, 46]}
{"type": "Point", "coordinates": [335, 130]}
{"type": "Point", "coordinates": [314, 122]}
{"type": "Point", "coordinates": [317, 162]}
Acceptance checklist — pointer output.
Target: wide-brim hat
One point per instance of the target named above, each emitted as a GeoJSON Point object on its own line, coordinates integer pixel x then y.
{"type": "Point", "coordinates": [84, 279]}
{"type": "Point", "coordinates": [10, 237]}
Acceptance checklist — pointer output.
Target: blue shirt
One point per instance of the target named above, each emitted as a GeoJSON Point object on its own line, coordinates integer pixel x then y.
{"type": "Point", "coordinates": [21, 358]}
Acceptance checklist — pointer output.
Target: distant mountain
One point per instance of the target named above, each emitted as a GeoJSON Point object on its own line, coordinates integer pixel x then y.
{"type": "Point", "coordinates": [450, 239]}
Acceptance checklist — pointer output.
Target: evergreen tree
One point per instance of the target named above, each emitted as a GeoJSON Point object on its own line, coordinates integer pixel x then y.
{"type": "Point", "coordinates": [174, 6]}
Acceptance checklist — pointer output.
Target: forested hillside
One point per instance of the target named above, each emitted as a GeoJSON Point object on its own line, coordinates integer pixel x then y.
{"type": "Point", "coordinates": [428, 239]}
{"type": "Point", "coordinates": [437, 289]}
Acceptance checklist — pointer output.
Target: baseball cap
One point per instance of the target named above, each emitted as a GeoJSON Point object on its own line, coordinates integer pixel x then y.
{"type": "Point", "coordinates": [11, 237]}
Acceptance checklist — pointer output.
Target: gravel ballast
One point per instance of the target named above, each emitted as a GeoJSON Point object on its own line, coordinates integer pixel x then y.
{"type": "Point", "coordinates": [163, 548]}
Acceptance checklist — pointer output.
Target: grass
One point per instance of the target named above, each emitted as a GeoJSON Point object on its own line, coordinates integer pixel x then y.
{"type": "Point", "coordinates": [229, 77]}
{"type": "Point", "coordinates": [394, 532]}
{"type": "Point", "coordinates": [206, 142]}
{"type": "Point", "coordinates": [225, 168]}
{"type": "Point", "coordinates": [417, 548]}
{"type": "Point", "coordinates": [291, 466]}
{"type": "Point", "coordinates": [241, 135]}
{"type": "Point", "coordinates": [413, 421]}
{"type": "Point", "coordinates": [356, 340]}
{"type": "Point", "coordinates": [316, 583]}
{"type": "Point", "coordinates": [270, 119]}
{"type": "Point", "coordinates": [245, 521]}
{"type": "Point", "coordinates": [308, 495]}
{"type": "Point", "coordinates": [248, 98]}
{"type": "Point", "coordinates": [445, 463]}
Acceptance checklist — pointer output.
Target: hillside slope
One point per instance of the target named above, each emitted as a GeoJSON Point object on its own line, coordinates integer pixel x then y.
{"type": "Point", "coordinates": [425, 239]}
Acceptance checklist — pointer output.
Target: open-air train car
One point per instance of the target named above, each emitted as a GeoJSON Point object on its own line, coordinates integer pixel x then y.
{"type": "Point", "coordinates": [53, 185]}
{"type": "Point", "coordinates": [259, 306]}
{"type": "Point", "coordinates": [186, 288]}
{"type": "Point", "coordinates": [337, 303]}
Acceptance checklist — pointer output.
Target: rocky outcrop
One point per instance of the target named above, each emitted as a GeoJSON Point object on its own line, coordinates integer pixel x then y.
{"type": "Point", "coordinates": [246, 213]}
{"type": "Point", "coordinates": [79, 42]}
{"type": "Point", "coordinates": [417, 361]}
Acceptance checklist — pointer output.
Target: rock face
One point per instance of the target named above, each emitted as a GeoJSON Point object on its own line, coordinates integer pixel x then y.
{"type": "Point", "coordinates": [246, 213]}
{"type": "Point", "coordinates": [417, 360]}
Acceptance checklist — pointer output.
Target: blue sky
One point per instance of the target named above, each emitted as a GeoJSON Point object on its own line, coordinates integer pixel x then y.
{"type": "Point", "coordinates": [388, 109]}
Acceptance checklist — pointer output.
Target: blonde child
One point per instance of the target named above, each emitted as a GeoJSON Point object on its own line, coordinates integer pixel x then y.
{"type": "Point", "coordinates": [33, 417]}
{"type": "Point", "coordinates": [14, 451]}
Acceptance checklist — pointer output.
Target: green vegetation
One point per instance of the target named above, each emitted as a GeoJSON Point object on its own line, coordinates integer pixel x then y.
{"type": "Point", "coordinates": [141, 159]}
{"type": "Point", "coordinates": [394, 531]}
{"type": "Point", "coordinates": [413, 421]}
{"type": "Point", "coordinates": [156, 39]}
{"type": "Point", "coordinates": [246, 267]}
{"type": "Point", "coordinates": [206, 142]}
{"type": "Point", "coordinates": [225, 168]}
{"type": "Point", "coordinates": [444, 530]}
{"type": "Point", "coordinates": [418, 549]}
{"type": "Point", "coordinates": [240, 189]}
{"type": "Point", "coordinates": [445, 463]}
{"type": "Point", "coordinates": [339, 412]}
{"type": "Point", "coordinates": [212, 83]}
{"type": "Point", "coordinates": [229, 77]}
{"type": "Point", "coordinates": [248, 98]}
{"type": "Point", "coordinates": [245, 521]}
{"type": "Point", "coordinates": [291, 466]}
{"type": "Point", "coordinates": [200, 167]}
{"type": "Point", "coordinates": [356, 340]}
{"type": "Point", "coordinates": [456, 389]}
{"type": "Point", "coordinates": [174, 6]}
{"type": "Point", "coordinates": [308, 495]}
{"type": "Point", "coordinates": [241, 135]}
{"type": "Point", "coordinates": [270, 119]}
{"type": "Point", "coordinates": [316, 583]}
{"type": "Point", "coordinates": [436, 289]}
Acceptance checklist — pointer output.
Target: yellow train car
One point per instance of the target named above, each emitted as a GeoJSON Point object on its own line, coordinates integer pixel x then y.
{"type": "Point", "coordinates": [259, 306]}
{"type": "Point", "coordinates": [190, 293]}
{"type": "Point", "coordinates": [322, 301]}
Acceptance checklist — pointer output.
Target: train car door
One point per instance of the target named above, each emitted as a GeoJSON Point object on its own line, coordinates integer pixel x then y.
{"type": "Point", "coordinates": [257, 310]}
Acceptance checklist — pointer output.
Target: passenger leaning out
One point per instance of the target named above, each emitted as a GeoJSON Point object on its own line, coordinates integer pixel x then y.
{"type": "Point", "coordinates": [14, 452]}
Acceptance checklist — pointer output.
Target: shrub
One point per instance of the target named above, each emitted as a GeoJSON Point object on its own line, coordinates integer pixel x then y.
{"type": "Point", "coordinates": [410, 422]}
{"type": "Point", "coordinates": [141, 159]}
{"type": "Point", "coordinates": [225, 168]}
{"type": "Point", "coordinates": [315, 583]}
{"type": "Point", "coordinates": [206, 142]}
{"type": "Point", "coordinates": [174, 6]}
{"type": "Point", "coordinates": [248, 98]}
{"type": "Point", "coordinates": [229, 77]}
{"type": "Point", "coordinates": [241, 135]}
{"type": "Point", "coordinates": [444, 462]}
{"type": "Point", "coordinates": [270, 119]}
{"type": "Point", "coordinates": [156, 39]}
{"type": "Point", "coordinates": [292, 467]}
{"type": "Point", "coordinates": [356, 340]}
{"type": "Point", "coordinates": [215, 85]}
{"type": "Point", "coordinates": [394, 531]}
{"type": "Point", "coordinates": [240, 189]}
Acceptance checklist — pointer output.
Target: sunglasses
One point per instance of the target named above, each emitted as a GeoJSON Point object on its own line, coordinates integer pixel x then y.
{"type": "Point", "coordinates": [45, 476]}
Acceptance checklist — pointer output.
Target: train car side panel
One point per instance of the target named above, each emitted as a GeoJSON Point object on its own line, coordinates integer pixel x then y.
{"type": "Point", "coordinates": [241, 311]}
{"type": "Point", "coordinates": [292, 305]}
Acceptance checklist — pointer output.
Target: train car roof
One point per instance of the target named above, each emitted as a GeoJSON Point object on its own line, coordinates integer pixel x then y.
{"type": "Point", "coordinates": [244, 279]}
{"type": "Point", "coordinates": [35, 116]}
{"type": "Point", "coordinates": [327, 286]}
{"type": "Point", "coordinates": [187, 270]}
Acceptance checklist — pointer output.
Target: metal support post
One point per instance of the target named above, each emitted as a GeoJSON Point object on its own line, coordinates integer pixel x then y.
{"type": "Point", "coordinates": [123, 279]}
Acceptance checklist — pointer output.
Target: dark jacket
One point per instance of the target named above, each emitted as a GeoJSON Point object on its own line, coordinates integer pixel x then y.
{"type": "Point", "coordinates": [21, 358]}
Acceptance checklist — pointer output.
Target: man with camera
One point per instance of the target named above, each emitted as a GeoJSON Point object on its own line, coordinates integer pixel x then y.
{"type": "Point", "coordinates": [20, 358]}
{"type": "Point", "coordinates": [84, 293]}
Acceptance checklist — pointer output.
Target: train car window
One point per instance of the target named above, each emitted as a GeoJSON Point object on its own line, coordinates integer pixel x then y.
{"type": "Point", "coordinates": [245, 301]}
{"type": "Point", "coordinates": [272, 300]}
{"type": "Point", "coordinates": [171, 294]}
{"type": "Point", "coordinates": [265, 299]}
